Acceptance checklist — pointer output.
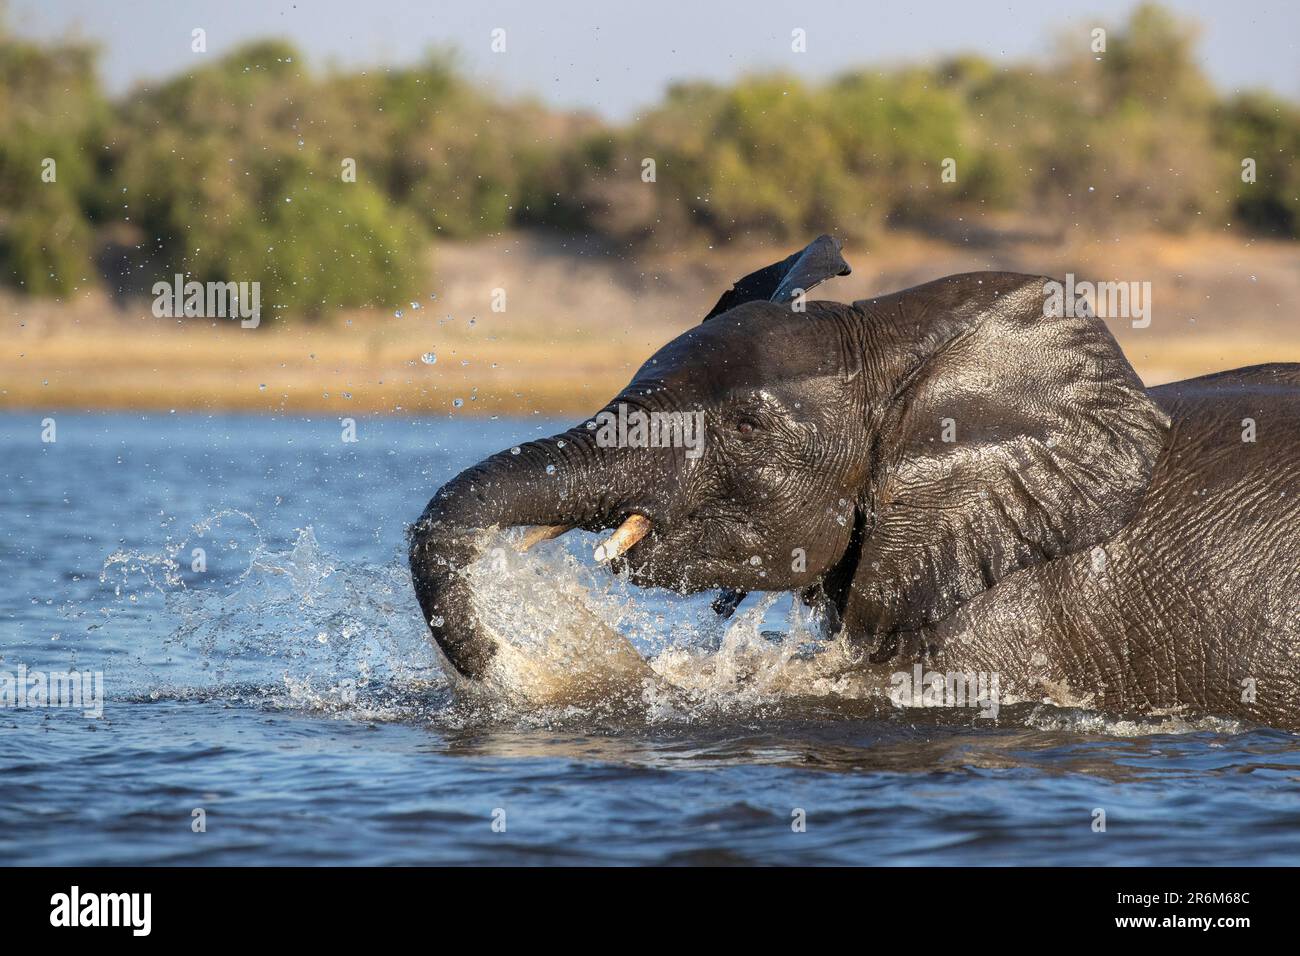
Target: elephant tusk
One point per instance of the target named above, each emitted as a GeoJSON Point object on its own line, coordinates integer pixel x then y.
{"type": "Point", "coordinates": [537, 535]}
{"type": "Point", "coordinates": [629, 533]}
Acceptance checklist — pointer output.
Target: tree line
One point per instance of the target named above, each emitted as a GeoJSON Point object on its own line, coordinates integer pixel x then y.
{"type": "Point", "coordinates": [328, 186]}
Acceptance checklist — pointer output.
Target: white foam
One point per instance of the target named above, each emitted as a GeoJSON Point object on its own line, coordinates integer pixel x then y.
{"type": "Point", "coordinates": [306, 630]}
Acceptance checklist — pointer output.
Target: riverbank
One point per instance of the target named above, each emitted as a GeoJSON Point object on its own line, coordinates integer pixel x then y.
{"type": "Point", "coordinates": [579, 319]}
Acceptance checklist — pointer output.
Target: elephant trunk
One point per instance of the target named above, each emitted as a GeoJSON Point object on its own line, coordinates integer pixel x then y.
{"type": "Point", "coordinates": [565, 480]}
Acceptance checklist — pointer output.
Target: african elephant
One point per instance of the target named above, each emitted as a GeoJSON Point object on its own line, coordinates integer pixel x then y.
{"type": "Point", "coordinates": [965, 477]}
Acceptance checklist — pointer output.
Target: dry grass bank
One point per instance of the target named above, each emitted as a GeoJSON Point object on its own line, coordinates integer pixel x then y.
{"type": "Point", "coordinates": [578, 322]}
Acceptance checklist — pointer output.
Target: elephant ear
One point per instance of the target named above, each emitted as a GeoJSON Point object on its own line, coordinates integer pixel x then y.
{"type": "Point", "coordinates": [782, 281]}
{"type": "Point", "coordinates": [1006, 438]}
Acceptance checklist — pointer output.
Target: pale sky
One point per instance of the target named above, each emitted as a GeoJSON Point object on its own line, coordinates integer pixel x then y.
{"type": "Point", "coordinates": [614, 57]}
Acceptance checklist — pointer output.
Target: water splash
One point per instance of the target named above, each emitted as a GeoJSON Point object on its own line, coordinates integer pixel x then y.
{"type": "Point", "coordinates": [571, 636]}
{"type": "Point", "coordinates": [298, 628]}
{"type": "Point", "coordinates": [291, 629]}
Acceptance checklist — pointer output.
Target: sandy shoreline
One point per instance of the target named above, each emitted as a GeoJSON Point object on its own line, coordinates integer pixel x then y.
{"type": "Point", "coordinates": [580, 320]}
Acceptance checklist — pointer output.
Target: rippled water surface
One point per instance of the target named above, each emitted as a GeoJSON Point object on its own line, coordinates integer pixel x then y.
{"type": "Point", "coordinates": [279, 682]}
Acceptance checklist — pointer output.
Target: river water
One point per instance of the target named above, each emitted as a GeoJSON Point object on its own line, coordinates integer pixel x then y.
{"type": "Point", "coordinates": [269, 696]}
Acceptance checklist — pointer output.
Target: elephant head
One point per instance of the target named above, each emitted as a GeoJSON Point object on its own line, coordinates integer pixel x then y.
{"type": "Point", "coordinates": [898, 455]}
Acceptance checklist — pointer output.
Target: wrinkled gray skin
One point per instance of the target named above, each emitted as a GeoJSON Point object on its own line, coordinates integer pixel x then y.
{"type": "Point", "coordinates": [1083, 536]}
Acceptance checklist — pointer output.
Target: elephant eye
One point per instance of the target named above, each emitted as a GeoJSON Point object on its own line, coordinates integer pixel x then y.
{"type": "Point", "coordinates": [745, 427]}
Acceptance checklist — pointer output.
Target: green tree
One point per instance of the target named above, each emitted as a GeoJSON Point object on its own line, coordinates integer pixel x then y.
{"type": "Point", "coordinates": [52, 117]}
{"type": "Point", "coordinates": [228, 176]}
{"type": "Point", "coordinates": [1265, 129]}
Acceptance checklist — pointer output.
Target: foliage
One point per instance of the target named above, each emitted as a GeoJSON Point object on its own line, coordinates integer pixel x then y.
{"type": "Point", "coordinates": [50, 109]}
{"type": "Point", "coordinates": [226, 172]}
{"type": "Point", "coordinates": [234, 171]}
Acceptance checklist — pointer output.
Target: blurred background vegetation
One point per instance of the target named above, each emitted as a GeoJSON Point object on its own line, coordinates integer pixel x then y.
{"type": "Point", "coordinates": [234, 171]}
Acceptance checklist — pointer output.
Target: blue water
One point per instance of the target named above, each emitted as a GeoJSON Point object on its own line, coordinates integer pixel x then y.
{"type": "Point", "coordinates": [285, 692]}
